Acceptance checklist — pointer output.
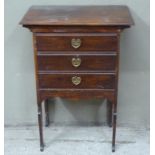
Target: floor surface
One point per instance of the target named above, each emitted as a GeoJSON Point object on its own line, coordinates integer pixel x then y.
{"type": "Point", "coordinates": [76, 141]}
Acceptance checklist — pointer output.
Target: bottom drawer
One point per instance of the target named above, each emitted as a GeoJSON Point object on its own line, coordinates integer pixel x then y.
{"type": "Point", "coordinates": [77, 81]}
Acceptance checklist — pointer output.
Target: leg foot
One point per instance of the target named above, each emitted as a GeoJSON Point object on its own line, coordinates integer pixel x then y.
{"type": "Point", "coordinates": [47, 121]}
{"type": "Point", "coordinates": [113, 148]}
{"type": "Point", "coordinates": [41, 148]}
{"type": "Point", "coordinates": [110, 124]}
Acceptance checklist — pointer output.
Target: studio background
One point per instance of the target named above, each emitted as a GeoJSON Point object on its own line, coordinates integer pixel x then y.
{"type": "Point", "coordinates": [133, 96]}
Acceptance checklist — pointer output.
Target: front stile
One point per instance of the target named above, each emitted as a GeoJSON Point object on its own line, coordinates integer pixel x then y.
{"type": "Point", "coordinates": [114, 103]}
{"type": "Point", "coordinates": [39, 101]}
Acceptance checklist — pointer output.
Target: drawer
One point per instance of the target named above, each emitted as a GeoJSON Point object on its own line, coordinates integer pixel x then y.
{"type": "Point", "coordinates": [74, 42]}
{"type": "Point", "coordinates": [77, 81]}
{"type": "Point", "coordinates": [77, 63]}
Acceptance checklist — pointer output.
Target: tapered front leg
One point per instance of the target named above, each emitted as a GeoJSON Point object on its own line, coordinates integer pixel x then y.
{"type": "Point", "coordinates": [40, 126]}
{"type": "Point", "coordinates": [46, 104]}
{"type": "Point", "coordinates": [114, 117]}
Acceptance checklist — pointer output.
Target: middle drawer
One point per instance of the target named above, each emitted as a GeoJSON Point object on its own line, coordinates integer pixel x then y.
{"type": "Point", "coordinates": [76, 63]}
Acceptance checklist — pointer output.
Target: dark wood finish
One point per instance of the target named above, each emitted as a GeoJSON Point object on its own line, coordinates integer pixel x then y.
{"type": "Point", "coordinates": [89, 63]}
{"type": "Point", "coordinates": [88, 81]}
{"type": "Point", "coordinates": [89, 33]}
{"type": "Point", "coordinates": [40, 126]}
{"type": "Point", "coordinates": [89, 42]}
{"type": "Point", "coordinates": [74, 29]}
{"type": "Point", "coordinates": [75, 94]}
{"type": "Point", "coordinates": [78, 15]}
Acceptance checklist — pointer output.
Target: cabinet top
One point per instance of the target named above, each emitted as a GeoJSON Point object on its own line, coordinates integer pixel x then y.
{"type": "Point", "coordinates": [108, 15]}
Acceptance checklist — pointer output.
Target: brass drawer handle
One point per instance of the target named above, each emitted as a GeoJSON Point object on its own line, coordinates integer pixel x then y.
{"type": "Point", "coordinates": [76, 62]}
{"type": "Point", "coordinates": [76, 43]}
{"type": "Point", "coordinates": [76, 80]}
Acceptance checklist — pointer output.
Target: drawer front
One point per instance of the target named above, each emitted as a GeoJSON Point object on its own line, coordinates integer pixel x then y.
{"type": "Point", "coordinates": [76, 63]}
{"type": "Point", "coordinates": [77, 81]}
{"type": "Point", "coordinates": [68, 42]}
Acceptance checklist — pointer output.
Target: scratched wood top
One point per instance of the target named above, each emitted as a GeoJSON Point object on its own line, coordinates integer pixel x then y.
{"type": "Point", "coordinates": [110, 15]}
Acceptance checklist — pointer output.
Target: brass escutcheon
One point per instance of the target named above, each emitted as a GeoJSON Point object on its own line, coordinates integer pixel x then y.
{"type": "Point", "coordinates": [76, 62]}
{"type": "Point", "coordinates": [76, 43]}
{"type": "Point", "coordinates": [76, 80]}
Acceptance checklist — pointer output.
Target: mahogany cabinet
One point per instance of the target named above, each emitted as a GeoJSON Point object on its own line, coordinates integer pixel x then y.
{"type": "Point", "coordinates": [76, 54]}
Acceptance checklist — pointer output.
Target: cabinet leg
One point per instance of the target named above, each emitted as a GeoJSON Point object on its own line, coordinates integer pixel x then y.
{"type": "Point", "coordinates": [40, 127]}
{"type": "Point", "coordinates": [114, 116]}
{"type": "Point", "coordinates": [46, 112]}
{"type": "Point", "coordinates": [109, 113]}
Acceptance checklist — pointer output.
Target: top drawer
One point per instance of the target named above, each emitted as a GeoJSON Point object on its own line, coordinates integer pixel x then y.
{"type": "Point", "coordinates": [76, 41]}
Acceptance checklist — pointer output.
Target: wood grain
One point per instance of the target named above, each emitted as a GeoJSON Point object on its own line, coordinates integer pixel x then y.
{"type": "Point", "coordinates": [88, 80]}
{"type": "Point", "coordinates": [89, 63]}
{"type": "Point", "coordinates": [89, 42]}
{"type": "Point", "coordinates": [78, 15]}
{"type": "Point", "coordinates": [98, 29]}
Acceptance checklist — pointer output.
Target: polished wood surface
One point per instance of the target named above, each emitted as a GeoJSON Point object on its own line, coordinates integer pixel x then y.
{"type": "Point", "coordinates": [89, 42]}
{"type": "Point", "coordinates": [75, 94]}
{"type": "Point", "coordinates": [97, 62]}
{"type": "Point", "coordinates": [74, 29]}
{"type": "Point", "coordinates": [88, 81]}
{"type": "Point", "coordinates": [76, 54]}
{"type": "Point", "coordinates": [78, 15]}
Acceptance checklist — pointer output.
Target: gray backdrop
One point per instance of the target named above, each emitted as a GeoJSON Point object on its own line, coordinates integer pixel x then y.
{"type": "Point", "coordinates": [133, 96]}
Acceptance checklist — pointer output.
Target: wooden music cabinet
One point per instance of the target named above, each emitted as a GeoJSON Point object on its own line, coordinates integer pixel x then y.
{"type": "Point", "coordinates": [76, 54]}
